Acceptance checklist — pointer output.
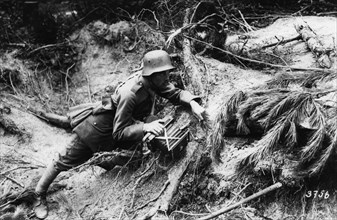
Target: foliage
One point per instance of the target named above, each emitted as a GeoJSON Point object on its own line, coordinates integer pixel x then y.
{"type": "Point", "coordinates": [10, 23]}
{"type": "Point", "coordinates": [293, 121]}
{"type": "Point", "coordinates": [224, 120]}
{"type": "Point", "coordinates": [313, 78]}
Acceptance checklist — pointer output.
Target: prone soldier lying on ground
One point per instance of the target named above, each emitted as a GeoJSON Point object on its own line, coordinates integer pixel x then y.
{"type": "Point", "coordinates": [112, 125]}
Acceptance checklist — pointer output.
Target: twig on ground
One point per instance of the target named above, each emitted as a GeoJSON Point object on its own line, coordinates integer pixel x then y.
{"type": "Point", "coordinates": [245, 22]}
{"type": "Point", "coordinates": [20, 167]}
{"type": "Point", "coordinates": [298, 37]}
{"type": "Point", "coordinates": [88, 86]}
{"type": "Point", "coordinates": [240, 23]}
{"type": "Point", "coordinates": [46, 46]}
{"type": "Point", "coordinates": [121, 213]}
{"type": "Point", "coordinates": [245, 187]}
{"type": "Point", "coordinates": [81, 210]}
{"type": "Point", "coordinates": [14, 181]}
{"type": "Point", "coordinates": [254, 196]}
{"type": "Point", "coordinates": [3, 181]}
{"type": "Point", "coordinates": [67, 86]}
{"type": "Point", "coordinates": [20, 195]}
{"type": "Point", "coordinates": [188, 213]}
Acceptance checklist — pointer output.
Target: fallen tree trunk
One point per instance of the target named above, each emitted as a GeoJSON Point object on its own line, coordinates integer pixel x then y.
{"type": "Point", "coordinates": [246, 50]}
{"type": "Point", "coordinates": [194, 77]}
{"type": "Point", "coordinates": [175, 175]}
{"type": "Point", "coordinates": [242, 47]}
{"type": "Point", "coordinates": [314, 44]}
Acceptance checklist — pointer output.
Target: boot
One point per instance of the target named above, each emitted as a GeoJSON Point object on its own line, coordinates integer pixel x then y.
{"type": "Point", "coordinates": [41, 208]}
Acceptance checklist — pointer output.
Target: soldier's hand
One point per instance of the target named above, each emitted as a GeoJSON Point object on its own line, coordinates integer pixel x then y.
{"type": "Point", "coordinates": [197, 110]}
{"type": "Point", "coordinates": [155, 127]}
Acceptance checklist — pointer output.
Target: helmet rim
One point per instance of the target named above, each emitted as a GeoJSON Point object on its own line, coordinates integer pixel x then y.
{"type": "Point", "coordinates": [156, 61]}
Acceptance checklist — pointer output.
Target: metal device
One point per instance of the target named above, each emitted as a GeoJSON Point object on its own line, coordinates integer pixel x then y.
{"type": "Point", "coordinates": [174, 135]}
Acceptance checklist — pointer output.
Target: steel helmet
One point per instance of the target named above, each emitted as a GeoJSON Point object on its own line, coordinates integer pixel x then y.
{"type": "Point", "coordinates": [156, 61]}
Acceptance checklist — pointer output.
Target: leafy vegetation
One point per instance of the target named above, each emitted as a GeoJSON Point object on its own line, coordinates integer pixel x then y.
{"type": "Point", "coordinates": [292, 121]}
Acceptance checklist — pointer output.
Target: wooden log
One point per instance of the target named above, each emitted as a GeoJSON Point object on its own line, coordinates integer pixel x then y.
{"type": "Point", "coordinates": [254, 196]}
{"type": "Point", "coordinates": [256, 51]}
{"type": "Point", "coordinates": [194, 76]}
{"type": "Point", "coordinates": [314, 44]}
{"type": "Point", "coordinates": [175, 175]}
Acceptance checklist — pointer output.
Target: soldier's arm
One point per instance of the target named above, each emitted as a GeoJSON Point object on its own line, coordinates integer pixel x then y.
{"type": "Point", "coordinates": [124, 128]}
{"type": "Point", "coordinates": [177, 96]}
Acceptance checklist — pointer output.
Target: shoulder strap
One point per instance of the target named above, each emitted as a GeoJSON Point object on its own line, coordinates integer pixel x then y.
{"type": "Point", "coordinates": [153, 103]}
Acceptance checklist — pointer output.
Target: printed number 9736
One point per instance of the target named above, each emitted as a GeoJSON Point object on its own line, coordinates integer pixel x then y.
{"type": "Point", "coordinates": [317, 194]}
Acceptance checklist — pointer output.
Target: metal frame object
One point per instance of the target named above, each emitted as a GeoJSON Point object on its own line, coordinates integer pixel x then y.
{"type": "Point", "coordinates": [173, 134]}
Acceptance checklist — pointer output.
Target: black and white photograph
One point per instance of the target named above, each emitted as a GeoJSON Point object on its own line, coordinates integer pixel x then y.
{"type": "Point", "coordinates": [168, 110]}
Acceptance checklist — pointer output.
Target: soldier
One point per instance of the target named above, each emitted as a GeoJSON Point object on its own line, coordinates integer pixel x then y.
{"type": "Point", "coordinates": [112, 125]}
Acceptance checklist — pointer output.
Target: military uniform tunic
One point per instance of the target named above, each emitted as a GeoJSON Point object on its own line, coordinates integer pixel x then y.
{"type": "Point", "coordinates": [115, 126]}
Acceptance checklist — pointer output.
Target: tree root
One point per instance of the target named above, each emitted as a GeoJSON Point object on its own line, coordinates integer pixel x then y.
{"type": "Point", "coordinates": [175, 175]}
{"type": "Point", "coordinates": [142, 177]}
{"type": "Point", "coordinates": [155, 198]}
{"type": "Point", "coordinates": [105, 156]}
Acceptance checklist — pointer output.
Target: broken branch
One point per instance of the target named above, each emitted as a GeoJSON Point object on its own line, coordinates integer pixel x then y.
{"type": "Point", "coordinates": [254, 196]}
{"type": "Point", "coordinates": [14, 181]}
{"type": "Point", "coordinates": [261, 62]}
{"type": "Point", "coordinates": [281, 42]}
{"type": "Point", "coordinates": [22, 167]}
{"type": "Point", "coordinates": [314, 44]}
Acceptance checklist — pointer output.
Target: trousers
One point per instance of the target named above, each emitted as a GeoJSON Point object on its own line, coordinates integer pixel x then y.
{"type": "Point", "coordinates": [77, 153]}
{"type": "Point", "coordinates": [74, 154]}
